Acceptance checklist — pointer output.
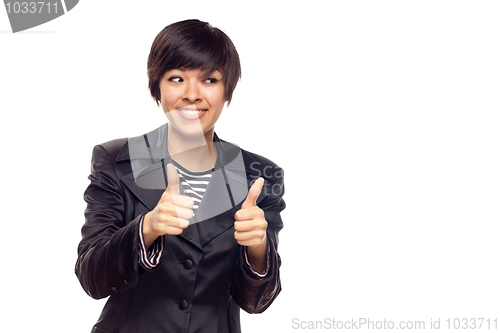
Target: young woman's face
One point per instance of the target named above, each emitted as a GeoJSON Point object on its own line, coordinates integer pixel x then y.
{"type": "Point", "coordinates": [191, 101]}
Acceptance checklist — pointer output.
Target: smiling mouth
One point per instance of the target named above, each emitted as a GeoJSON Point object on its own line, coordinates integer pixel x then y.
{"type": "Point", "coordinates": [191, 112]}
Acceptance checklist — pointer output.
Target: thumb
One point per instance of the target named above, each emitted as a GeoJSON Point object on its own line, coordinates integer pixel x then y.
{"type": "Point", "coordinates": [253, 194]}
{"type": "Point", "coordinates": [172, 179]}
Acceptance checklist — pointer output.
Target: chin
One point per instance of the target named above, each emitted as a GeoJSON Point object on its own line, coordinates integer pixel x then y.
{"type": "Point", "coordinates": [190, 130]}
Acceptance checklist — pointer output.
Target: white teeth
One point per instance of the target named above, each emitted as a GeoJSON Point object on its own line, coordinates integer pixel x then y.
{"type": "Point", "coordinates": [191, 112]}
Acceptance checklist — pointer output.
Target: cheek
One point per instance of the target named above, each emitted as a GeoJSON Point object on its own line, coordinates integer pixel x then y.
{"type": "Point", "coordinates": [217, 98]}
{"type": "Point", "coordinates": [166, 100]}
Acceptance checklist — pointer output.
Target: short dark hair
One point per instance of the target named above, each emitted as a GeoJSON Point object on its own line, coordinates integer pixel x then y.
{"type": "Point", "coordinates": [193, 44]}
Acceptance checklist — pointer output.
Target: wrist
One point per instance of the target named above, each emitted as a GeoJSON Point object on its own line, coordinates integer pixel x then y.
{"type": "Point", "coordinates": [257, 255]}
{"type": "Point", "coordinates": [147, 231]}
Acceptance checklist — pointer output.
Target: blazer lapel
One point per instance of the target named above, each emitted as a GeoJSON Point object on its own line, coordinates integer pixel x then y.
{"type": "Point", "coordinates": [149, 197]}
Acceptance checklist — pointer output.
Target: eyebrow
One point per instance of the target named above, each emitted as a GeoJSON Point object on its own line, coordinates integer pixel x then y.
{"type": "Point", "coordinates": [185, 69]}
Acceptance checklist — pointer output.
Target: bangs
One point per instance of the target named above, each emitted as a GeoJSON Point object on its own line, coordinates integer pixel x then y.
{"type": "Point", "coordinates": [205, 53]}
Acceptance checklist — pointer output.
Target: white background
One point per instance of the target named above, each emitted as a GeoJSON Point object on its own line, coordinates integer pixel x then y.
{"type": "Point", "coordinates": [383, 114]}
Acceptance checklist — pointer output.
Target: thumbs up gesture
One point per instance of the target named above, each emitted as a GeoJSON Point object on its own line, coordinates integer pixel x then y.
{"type": "Point", "coordinates": [250, 223]}
{"type": "Point", "coordinates": [171, 214]}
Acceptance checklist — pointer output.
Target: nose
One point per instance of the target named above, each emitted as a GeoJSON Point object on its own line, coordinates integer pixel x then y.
{"type": "Point", "coordinates": [192, 93]}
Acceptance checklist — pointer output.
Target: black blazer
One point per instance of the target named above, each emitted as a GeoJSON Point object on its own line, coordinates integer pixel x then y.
{"type": "Point", "coordinates": [203, 278]}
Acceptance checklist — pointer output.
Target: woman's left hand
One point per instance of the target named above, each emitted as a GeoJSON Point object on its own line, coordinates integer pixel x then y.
{"type": "Point", "coordinates": [250, 223]}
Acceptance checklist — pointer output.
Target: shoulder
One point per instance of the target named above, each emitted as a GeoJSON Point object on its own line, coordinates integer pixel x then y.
{"type": "Point", "coordinates": [274, 183]}
{"type": "Point", "coordinates": [112, 148]}
{"type": "Point", "coordinates": [107, 158]}
{"type": "Point", "coordinates": [260, 166]}
{"type": "Point", "coordinates": [256, 159]}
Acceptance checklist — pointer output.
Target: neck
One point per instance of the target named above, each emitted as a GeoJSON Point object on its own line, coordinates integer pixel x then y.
{"type": "Point", "coordinates": [196, 153]}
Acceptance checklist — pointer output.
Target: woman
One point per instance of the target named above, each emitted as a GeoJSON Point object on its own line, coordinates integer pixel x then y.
{"type": "Point", "coordinates": [181, 227]}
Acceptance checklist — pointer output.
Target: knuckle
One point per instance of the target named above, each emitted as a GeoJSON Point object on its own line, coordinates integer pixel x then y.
{"type": "Point", "coordinates": [165, 206]}
{"type": "Point", "coordinates": [175, 231]}
{"type": "Point", "coordinates": [170, 210]}
{"type": "Point", "coordinates": [184, 200]}
{"type": "Point", "coordinates": [166, 196]}
{"type": "Point", "coordinates": [162, 216]}
{"type": "Point", "coordinates": [170, 220]}
{"type": "Point", "coordinates": [259, 212]}
{"type": "Point", "coordinates": [262, 233]}
{"type": "Point", "coordinates": [163, 229]}
{"type": "Point", "coordinates": [183, 223]}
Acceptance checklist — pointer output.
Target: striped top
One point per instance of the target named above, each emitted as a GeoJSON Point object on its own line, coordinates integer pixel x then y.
{"type": "Point", "coordinates": [194, 184]}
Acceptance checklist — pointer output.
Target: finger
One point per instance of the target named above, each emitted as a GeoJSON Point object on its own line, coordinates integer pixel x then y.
{"type": "Point", "coordinates": [172, 231]}
{"type": "Point", "coordinates": [244, 226]}
{"type": "Point", "coordinates": [253, 194]}
{"type": "Point", "coordinates": [183, 223]}
{"type": "Point", "coordinates": [250, 237]}
{"type": "Point", "coordinates": [172, 179]}
{"type": "Point", "coordinates": [248, 214]}
{"type": "Point", "coordinates": [182, 201]}
{"type": "Point", "coordinates": [178, 200]}
{"type": "Point", "coordinates": [177, 211]}
{"type": "Point", "coordinates": [184, 213]}
{"type": "Point", "coordinates": [169, 221]}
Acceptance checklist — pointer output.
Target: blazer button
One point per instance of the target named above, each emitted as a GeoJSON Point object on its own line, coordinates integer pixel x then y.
{"type": "Point", "coordinates": [114, 289]}
{"type": "Point", "coordinates": [183, 304]}
{"type": "Point", "coordinates": [188, 264]}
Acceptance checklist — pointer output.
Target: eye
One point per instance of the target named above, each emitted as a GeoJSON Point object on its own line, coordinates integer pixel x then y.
{"type": "Point", "coordinates": [175, 79]}
{"type": "Point", "coordinates": [211, 80]}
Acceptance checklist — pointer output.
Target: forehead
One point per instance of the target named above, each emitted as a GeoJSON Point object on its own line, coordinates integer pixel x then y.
{"type": "Point", "coordinates": [195, 72]}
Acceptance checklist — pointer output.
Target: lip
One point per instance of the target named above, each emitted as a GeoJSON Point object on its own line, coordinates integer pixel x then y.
{"type": "Point", "coordinates": [191, 113]}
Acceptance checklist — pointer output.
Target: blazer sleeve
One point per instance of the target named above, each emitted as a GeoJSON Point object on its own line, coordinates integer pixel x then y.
{"type": "Point", "coordinates": [108, 252]}
{"type": "Point", "coordinates": [253, 293]}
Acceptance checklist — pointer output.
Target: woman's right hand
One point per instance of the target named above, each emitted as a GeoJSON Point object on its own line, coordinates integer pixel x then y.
{"type": "Point", "coordinates": [171, 214]}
